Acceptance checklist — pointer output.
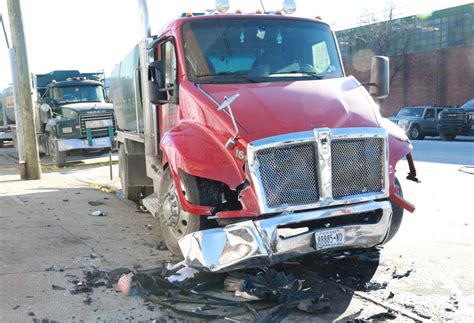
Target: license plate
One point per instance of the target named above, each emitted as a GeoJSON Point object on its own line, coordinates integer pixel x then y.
{"type": "Point", "coordinates": [101, 141]}
{"type": "Point", "coordinates": [329, 238]}
{"type": "Point", "coordinates": [99, 123]}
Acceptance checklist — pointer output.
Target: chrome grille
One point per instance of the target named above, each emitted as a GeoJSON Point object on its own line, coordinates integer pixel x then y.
{"type": "Point", "coordinates": [357, 166]}
{"type": "Point", "coordinates": [289, 174]}
{"type": "Point", "coordinates": [96, 116]}
{"type": "Point", "coordinates": [453, 117]}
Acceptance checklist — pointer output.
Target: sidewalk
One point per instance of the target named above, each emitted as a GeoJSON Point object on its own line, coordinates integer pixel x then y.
{"type": "Point", "coordinates": [46, 223]}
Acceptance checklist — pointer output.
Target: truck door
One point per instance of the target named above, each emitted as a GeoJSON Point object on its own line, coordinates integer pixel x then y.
{"type": "Point", "coordinates": [430, 122]}
{"type": "Point", "coordinates": [168, 111]}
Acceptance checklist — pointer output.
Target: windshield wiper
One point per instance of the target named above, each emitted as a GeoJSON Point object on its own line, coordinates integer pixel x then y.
{"type": "Point", "coordinates": [238, 74]}
{"type": "Point", "coordinates": [313, 74]}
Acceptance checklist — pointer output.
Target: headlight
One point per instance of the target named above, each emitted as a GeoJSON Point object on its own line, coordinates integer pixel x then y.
{"type": "Point", "coordinates": [66, 130]}
{"type": "Point", "coordinates": [403, 124]}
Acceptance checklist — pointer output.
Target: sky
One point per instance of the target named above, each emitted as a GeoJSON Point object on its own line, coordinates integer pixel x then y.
{"type": "Point", "coordinates": [92, 35]}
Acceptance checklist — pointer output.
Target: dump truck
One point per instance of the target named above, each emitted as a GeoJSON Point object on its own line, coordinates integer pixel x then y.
{"type": "Point", "coordinates": [71, 113]}
{"type": "Point", "coordinates": [5, 122]}
{"type": "Point", "coordinates": [244, 136]}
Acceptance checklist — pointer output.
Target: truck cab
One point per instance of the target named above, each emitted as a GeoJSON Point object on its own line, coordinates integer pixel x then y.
{"type": "Point", "coordinates": [256, 144]}
{"type": "Point", "coordinates": [457, 122]}
{"type": "Point", "coordinates": [72, 115]}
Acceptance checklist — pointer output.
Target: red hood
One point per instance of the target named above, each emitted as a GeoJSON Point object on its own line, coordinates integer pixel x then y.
{"type": "Point", "coordinates": [269, 109]}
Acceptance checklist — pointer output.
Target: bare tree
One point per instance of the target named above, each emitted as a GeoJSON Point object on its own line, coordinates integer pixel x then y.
{"type": "Point", "coordinates": [385, 35]}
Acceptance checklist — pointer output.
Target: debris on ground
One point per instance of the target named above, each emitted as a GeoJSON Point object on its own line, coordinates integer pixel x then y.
{"type": "Point", "coordinates": [95, 203]}
{"type": "Point", "coordinates": [16, 307]}
{"type": "Point", "coordinates": [98, 213]}
{"type": "Point", "coordinates": [54, 268]}
{"type": "Point", "coordinates": [56, 287]}
{"type": "Point", "coordinates": [270, 294]}
{"type": "Point", "coordinates": [396, 275]}
{"type": "Point", "coordinates": [384, 316]}
{"type": "Point", "coordinates": [149, 226]}
{"type": "Point", "coordinates": [125, 283]}
{"type": "Point", "coordinates": [162, 246]}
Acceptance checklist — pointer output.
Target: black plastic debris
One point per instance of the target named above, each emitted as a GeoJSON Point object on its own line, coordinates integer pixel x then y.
{"type": "Point", "coordinates": [54, 268]}
{"type": "Point", "coordinates": [396, 275]}
{"type": "Point", "coordinates": [15, 307]}
{"type": "Point", "coordinates": [56, 287]}
{"type": "Point", "coordinates": [95, 203]}
{"type": "Point", "coordinates": [384, 316]}
{"type": "Point", "coordinates": [87, 300]}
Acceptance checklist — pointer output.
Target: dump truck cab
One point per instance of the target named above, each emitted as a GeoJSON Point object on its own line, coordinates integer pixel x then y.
{"type": "Point", "coordinates": [258, 146]}
{"type": "Point", "coordinates": [73, 115]}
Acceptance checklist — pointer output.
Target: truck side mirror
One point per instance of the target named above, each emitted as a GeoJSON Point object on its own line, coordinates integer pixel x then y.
{"type": "Point", "coordinates": [45, 107]}
{"type": "Point", "coordinates": [379, 77]}
{"type": "Point", "coordinates": [156, 84]}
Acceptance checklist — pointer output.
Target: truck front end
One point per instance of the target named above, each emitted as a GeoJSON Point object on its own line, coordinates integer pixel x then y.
{"type": "Point", "coordinates": [76, 118]}
{"type": "Point", "coordinates": [269, 143]}
{"type": "Point", "coordinates": [457, 122]}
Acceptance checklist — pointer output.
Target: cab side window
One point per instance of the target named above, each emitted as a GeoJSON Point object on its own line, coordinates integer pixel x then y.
{"type": "Point", "coordinates": [430, 113]}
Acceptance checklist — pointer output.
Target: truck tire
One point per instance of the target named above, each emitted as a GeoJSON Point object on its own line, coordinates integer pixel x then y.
{"type": "Point", "coordinates": [132, 193]}
{"type": "Point", "coordinates": [58, 157]}
{"type": "Point", "coordinates": [447, 137]}
{"type": "Point", "coordinates": [175, 222]}
{"type": "Point", "coordinates": [397, 215]}
{"type": "Point", "coordinates": [1, 143]}
{"type": "Point", "coordinates": [414, 133]}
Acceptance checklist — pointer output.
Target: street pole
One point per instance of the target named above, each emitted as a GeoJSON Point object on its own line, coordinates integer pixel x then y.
{"type": "Point", "coordinates": [32, 162]}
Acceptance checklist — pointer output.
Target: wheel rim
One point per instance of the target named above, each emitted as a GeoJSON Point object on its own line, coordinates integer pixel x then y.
{"type": "Point", "coordinates": [414, 132]}
{"type": "Point", "coordinates": [174, 218]}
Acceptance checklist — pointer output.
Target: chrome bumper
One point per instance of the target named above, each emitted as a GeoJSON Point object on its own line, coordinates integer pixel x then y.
{"type": "Point", "coordinates": [71, 144]}
{"type": "Point", "coordinates": [257, 243]}
{"type": "Point", "coordinates": [6, 135]}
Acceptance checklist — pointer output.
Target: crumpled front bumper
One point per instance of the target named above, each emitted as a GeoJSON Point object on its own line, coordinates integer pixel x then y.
{"type": "Point", "coordinates": [260, 243]}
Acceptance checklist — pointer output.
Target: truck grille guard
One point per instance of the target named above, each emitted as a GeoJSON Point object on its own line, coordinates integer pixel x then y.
{"type": "Point", "coordinates": [312, 182]}
{"type": "Point", "coordinates": [319, 168]}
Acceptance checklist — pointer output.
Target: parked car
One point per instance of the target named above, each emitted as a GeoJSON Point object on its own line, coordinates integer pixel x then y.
{"type": "Point", "coordinates": [457, 122]}
{"type": "Point", "coordinates": [418, 121]}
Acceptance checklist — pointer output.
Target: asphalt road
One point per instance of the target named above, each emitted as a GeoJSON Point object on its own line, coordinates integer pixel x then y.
{"type": "Point", "coordinates": [45, 223]}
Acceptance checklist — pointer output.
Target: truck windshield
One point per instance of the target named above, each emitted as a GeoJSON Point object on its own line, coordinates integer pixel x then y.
{"type": "Point", "coordinates": [468, 105]}
{"type": "Point", "coordinates": [258, 49]}
{"type": "Point", "coordinates": [71, 94]}
{"type": "Point", "coordinates": [410, 112]}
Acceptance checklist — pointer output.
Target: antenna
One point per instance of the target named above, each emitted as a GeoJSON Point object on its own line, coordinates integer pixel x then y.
{"type": "Point", "coordinates": [263, 8]}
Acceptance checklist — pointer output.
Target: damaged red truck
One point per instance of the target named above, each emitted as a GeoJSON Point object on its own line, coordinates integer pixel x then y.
{"type": "Point", "coordinates": [245, 138]}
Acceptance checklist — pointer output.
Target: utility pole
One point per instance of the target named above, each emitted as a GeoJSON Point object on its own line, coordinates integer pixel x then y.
{"type": "Point", "coordinates": [32, 168]}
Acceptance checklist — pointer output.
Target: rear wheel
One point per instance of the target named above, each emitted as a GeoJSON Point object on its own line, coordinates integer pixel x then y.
{"type": "Point", "coordinates": [175, 222]}
{"type": "Point", "coordinates": [397, 215]}
{"type": "Point", "coordinates": [414, 133]}
{"type": "Point", "coordinates": [58, 157]}
{"type": "Point", "coordinates": [447, 137]}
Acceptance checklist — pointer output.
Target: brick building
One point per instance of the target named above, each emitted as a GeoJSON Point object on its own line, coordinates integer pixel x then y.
{"type": "Point", "coordinates": [435, 54]}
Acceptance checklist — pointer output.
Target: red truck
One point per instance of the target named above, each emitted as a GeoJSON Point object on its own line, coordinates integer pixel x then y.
{"type": "Point", "coordinates": [247, 140]}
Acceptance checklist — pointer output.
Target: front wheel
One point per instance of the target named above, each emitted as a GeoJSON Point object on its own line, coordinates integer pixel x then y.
{"type": "Point", "coordinates": [58, 157]}
{"type": "Point", "coordinates": [415, 134]}
{"type": "Point", "coordinates": [397, 214]}
{"type": "Point", "coordinates": [175, 222]}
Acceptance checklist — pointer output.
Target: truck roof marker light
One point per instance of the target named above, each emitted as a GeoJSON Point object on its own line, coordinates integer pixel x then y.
{"type": "Point", "coordinates": [259, 12]}
{"type": "Point", "coordinates": [189, 14]}
{"type": "Point", "coordinates": [318, 18]}
{"type": "Point", "coordinates": [289, 6]}
{"type": "Point", "coordinates": [222, 6]}
{"type": "Point", "coordinates": [238, 11]}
